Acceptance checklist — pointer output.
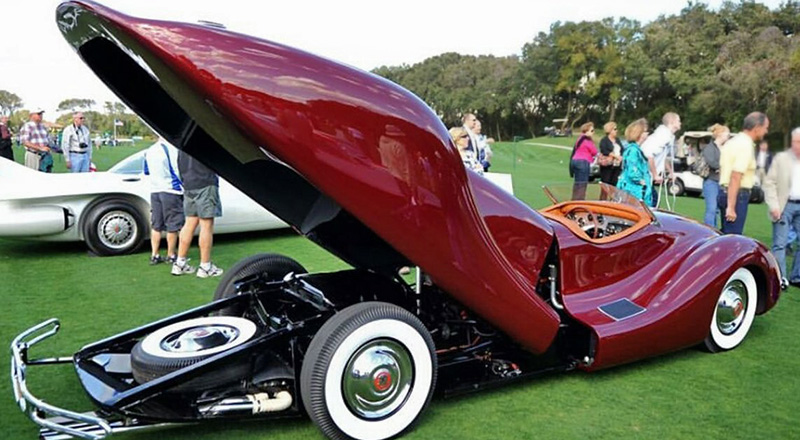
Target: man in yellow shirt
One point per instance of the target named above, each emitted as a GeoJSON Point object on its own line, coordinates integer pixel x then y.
{"type": "Point", "coordinates": [737, 168]}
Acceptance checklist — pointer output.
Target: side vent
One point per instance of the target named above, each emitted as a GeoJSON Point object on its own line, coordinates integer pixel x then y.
{"type": "Point", "coordinates": [622, 309]}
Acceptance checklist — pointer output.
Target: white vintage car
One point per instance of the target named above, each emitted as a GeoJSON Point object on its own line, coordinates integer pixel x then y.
{"type": "Point", "coordinates": [110, 211]}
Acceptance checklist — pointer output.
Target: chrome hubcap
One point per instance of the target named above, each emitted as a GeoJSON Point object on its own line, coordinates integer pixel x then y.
{"type": "Point", "coordinates": [117, 229]}
{"type": "Point", "coordinates": [199, 338]}
{"type": "Point", "coordinates": [378, 379]}
{"type": "Point", "coordinates": [731, 307]}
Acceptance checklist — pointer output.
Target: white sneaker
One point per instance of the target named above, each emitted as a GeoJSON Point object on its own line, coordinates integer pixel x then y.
{"type": "Point", "coordinates": [178, 269]}
{"type": "Point", "coordinates": [212, 271]}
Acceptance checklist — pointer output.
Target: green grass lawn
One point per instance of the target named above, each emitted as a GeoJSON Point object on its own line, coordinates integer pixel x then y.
{"type": "Point", "coordinates": [750, 392]}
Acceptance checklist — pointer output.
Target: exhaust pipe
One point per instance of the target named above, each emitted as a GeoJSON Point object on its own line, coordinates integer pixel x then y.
{"type": "Point", "coordinates": [249, 404]}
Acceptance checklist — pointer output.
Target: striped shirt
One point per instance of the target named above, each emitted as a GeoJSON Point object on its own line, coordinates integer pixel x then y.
{"type": "Point", "coordinates": [35, 134]}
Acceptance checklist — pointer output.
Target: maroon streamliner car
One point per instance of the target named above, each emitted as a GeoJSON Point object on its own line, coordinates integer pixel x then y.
{"type": "Point", "coordinates": [366, 170]}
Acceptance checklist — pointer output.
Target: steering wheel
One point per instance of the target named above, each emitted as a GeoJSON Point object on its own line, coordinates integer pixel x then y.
{"type": "Point", "coordinates": [590, 216]}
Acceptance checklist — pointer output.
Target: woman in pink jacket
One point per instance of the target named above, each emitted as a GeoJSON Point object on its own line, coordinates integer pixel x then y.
{"type": "Point", "coordinates": [583, 155]}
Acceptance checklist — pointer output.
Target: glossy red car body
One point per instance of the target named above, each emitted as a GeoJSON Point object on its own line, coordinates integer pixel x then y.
{"type": "Point", "coordinates": [379, 183]}
{"type": "Point", "coordinates": [366, 170]}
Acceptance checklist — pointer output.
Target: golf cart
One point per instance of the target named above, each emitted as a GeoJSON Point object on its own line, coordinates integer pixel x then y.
{"type": "Point", "coordinates": [558, 129]}
{"type": "Point", "coordinates": [687, 151]}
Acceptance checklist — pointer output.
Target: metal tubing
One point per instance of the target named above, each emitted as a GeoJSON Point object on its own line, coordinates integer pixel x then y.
{"type": "Point", "coordinates": [249, 404]}
{"type": "Point", "coordinates": [29, 404]}
{"type": "Point", "coordinates": [553, 291]}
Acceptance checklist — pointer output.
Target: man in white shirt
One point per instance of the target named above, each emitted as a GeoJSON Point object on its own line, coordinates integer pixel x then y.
{"type": "Point", "coordinates": [484, 148]}
{"type": "Point", "coordinates": [166, 199]}
{"type": "Point", "coordinates": [659, 149]}
{"type": "Point", "coordinates": [782, 194]}
{"type": "Point", "coordinates": [469, 120]}
{"type": "Point", "coordinates": [77, 145]}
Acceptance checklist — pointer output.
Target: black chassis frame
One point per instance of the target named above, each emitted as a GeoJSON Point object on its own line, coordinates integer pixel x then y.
{"type": "Point", "coordinates": [471, 354]}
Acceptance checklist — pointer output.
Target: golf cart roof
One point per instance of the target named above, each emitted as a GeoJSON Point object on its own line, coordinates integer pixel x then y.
{"type": "Point", "coordinates": [697, 134]}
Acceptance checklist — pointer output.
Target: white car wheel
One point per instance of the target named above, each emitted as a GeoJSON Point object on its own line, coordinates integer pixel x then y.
{"type": "Point", "coordinates": [734, 312]}
{"type": "Point", "coordinates": [369, 372]}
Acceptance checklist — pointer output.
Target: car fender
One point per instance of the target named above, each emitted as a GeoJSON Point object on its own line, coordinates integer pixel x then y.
{"type": "Point", "coordinates": [678, 314]}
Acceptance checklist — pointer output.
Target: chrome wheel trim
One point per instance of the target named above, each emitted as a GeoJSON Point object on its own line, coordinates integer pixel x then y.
{"type": "Point", "coordinates": [731, 306]}
{"type": "Point", "coordinates": [152, 343]}
{"type": "Point", "coordinates": [393, 424]}
{"type": "Point", "coordinates": [117, 229]}
{"type": "Point", "coordinates": [378, 379]}
{"type": "Point", "coordinates": [732, 340]}
{"type": "Point", "coordinates": [199, 338]}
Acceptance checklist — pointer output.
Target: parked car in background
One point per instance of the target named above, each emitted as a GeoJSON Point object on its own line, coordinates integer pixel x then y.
{"type": "Point", "coordinates": [109, 211]}
{"type": "Point", "coordinates": [686, 180]}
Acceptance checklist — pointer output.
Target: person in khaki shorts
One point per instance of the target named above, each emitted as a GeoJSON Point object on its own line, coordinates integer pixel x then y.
{"type": "Point", "coordinates": [201, 205]}
{"type": "Point", "coordinates": [782, 194]}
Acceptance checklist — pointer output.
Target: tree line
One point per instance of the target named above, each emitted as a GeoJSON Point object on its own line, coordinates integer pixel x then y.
{"type": "Point", "coordinates": [99, 119]}
{"type": "Point", "coordinates": [709, 66]}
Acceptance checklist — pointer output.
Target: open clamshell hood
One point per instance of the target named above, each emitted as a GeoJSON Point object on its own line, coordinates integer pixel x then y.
{"type": "Point", "coordinates": [352, 161]}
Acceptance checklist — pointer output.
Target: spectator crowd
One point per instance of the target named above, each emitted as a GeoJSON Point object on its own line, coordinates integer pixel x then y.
{"type": "Point", "coordinates": [185, 193]}
{"type": "Point", "coordinates": [730, 165]}
{"type": "Point", "coordinates": [642, 164]}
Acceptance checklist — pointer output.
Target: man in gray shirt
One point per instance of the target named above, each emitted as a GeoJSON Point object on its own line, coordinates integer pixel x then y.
{"type": "Point", "coordinates": [710, 153]}
{"type": "Point", "coordinates": [201, 205]}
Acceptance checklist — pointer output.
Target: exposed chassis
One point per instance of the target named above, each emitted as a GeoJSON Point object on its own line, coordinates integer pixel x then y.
{"type": "Point", "coordinates": [471, 355]}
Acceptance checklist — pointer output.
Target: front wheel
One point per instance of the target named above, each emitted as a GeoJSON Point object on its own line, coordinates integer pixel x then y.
{"type": "Point", "coordinates": [114, 227]}
{"type": "Point", "coordinates": [369, 372]}
{"type": "Point", "coordinates": [734, 312]}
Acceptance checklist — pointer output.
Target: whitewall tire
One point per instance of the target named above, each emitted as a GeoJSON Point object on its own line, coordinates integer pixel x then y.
{"type": "Point", "coordinates": [369, 372]}
{"type": "Point", "coordinates": [734, 312]}
{"type": "Point", "coordinates": [185, 343]}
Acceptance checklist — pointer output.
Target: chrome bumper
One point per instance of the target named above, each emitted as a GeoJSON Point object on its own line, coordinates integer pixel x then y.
{"type": "Point", "coordinates": [57, 423]}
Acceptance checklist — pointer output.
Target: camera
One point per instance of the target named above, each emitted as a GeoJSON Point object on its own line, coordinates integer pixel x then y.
{"type": "Point", "coordinates": [84, 145]}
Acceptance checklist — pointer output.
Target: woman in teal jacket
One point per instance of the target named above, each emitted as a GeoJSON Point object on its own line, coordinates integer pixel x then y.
{"type": "Point", "coordinates": [635, 177]}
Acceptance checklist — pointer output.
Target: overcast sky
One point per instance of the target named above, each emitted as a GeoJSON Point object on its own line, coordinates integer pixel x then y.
{"type": "Point", "coordinates": [37, 64]}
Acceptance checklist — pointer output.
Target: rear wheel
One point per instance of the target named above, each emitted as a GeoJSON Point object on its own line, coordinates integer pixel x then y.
{"type": "Point", "coordinates": [677, 188]}
{"type": "Point", "coordinates": [274, 267]}
{"type": "Point", "coordinates": [756, 195]}
{"type": "Point", "coordinates": [114, 227]}
{"type": "Point", "coordinates": [734, 312]}
{"type": "Point", "coordinates": [369, 372]}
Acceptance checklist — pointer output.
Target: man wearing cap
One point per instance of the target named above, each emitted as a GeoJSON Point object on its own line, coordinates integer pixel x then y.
{"type": "Point", "coordinates": [35, 139]}
{"type": "Point", "coordinates": [76, 145]}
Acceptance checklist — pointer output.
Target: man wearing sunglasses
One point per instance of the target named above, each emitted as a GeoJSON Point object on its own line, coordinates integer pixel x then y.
{"type": "Point", "coordinates": [77, 145]}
